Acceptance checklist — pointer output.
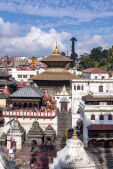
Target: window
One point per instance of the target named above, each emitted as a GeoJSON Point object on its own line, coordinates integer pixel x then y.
{"type": "Point", "coordinates": [109, 117]}
{"type": "Point", "coordinates": [103, 77]}
{"type": "Point", "coordinates": [74, 87]}
{"type": "Point", "coordinates": [24, 76]}
{"type": "Point", "coordinates": [92, 117]}
{"type": "Point", "coordinates": [101, 117]}
{"type": "Point", "coordinates": [100, 88]}
{"type": "Point", "coordinates": [19, 76]}
{"type": "Point", "coordinates": [95, 77]}
{"type": "Point", "coordinates": [78, 87]}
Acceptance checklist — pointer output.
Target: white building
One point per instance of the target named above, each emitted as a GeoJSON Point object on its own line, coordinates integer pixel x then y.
{"type": "Point", "coordinates": [95, 73]}
{"type": "Point", "coordinates": [99, 91]}
{"type": "Point", "coordinates": [24, 75]}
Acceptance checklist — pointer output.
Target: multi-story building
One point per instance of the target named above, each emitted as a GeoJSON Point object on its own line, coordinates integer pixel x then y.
{"type": "Point", "coordinates": [23, 73]}
{"type": "Point", "coordinates": [92, 103]}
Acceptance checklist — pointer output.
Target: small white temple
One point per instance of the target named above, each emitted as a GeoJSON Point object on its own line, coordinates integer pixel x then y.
{"type": "Point", "coordinates": [73, 156]}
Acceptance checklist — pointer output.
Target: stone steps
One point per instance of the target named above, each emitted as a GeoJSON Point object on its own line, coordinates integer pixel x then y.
{"type": "Point", "coordinates": [102, 158]}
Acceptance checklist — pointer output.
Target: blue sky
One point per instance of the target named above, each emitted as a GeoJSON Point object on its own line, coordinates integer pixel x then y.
{"type": "Point", "coordinates": [31, 27]}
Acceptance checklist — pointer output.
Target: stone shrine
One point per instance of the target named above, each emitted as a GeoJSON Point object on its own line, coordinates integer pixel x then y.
{"type": "Point", "coordinates": [35, 134]}
{"type": "Point", "coordinates": [16, 136]}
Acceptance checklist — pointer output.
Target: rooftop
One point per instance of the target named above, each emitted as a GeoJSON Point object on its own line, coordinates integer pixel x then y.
{"type": "Point", "coordinates": [98, 98]}
{"type": "Point", "coordinates": [3, 74]}
{"type": "Point", "coordinates": [94, 70]}
{"type": "Point", "coordinates": [56, 57]}
{"type": "Point", "coordinates": [101, 127]}
{"type": "Point", "coordinates": [28, 92]}
{"type": "Point", "coordinates": [55, 75]}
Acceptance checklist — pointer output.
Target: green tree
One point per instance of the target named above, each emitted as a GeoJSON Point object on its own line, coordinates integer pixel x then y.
{"type": "Point", "coordinates": [86, 63]}
{"type": "Point", "coordinates": [96, 53]}
{"type": "Point", "coordinates": [73, 54]}
{"type": "Point", "coordinates": [63, 53]}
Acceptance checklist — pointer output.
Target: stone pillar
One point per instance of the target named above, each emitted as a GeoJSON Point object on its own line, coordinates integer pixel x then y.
{"type": "Point", "coordinates": [85, 135]}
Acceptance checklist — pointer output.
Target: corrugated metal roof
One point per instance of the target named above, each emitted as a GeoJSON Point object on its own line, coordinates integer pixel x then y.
{"type": "Point", "coordinates": [28, 91]}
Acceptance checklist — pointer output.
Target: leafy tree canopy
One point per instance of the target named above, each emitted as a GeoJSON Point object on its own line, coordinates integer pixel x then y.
{"type": "Point", "coordinates": [98, 57]}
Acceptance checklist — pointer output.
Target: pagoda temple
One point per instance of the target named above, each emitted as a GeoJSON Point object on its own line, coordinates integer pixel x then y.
{"type": "Point", "coordinates": [56, 76]}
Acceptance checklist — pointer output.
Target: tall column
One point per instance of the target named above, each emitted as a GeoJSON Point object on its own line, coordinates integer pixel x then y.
{"type": "Point", "coordinates": [85, 135]}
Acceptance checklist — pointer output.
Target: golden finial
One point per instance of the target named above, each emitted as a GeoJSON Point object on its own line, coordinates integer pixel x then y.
{"type": "Point", "coordinates": [64, 89]}
{"type": "Point", "coordinates": [56, 51]}
{"type": "Point", "coordinates": [74, 137]}
{"type": "Point", "coordinates": [58, 93]}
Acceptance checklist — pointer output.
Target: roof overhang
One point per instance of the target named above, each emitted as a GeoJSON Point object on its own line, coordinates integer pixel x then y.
{"type": "Point", "coordinates": [100, 127]}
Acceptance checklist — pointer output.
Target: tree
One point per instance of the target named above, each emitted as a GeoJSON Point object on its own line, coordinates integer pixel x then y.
{"type": "Point", "coordinates": [96, 53]}
{"type": "Point", "coordinates": [110, 52]}
{"type": "Point", "coordinates": [63, 53]}
{"type": "Point", "coordinates": [73, 54]}
{"type": "Point", "coordinates": [86, 63]}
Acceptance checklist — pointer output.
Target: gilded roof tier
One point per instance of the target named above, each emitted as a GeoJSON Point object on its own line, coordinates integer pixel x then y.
{"type": "Point", "coordinates": [56, 57]}
{"type": "Point", "coordinates": [55, 75]}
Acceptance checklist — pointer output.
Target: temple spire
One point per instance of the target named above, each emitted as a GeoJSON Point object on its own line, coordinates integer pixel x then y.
{"type": "Point", "coordinates": [74, 137]}
{"type": "Point", "coordinates": [64, 89]}
{"type": "Point", "coordinates": [56, 51]}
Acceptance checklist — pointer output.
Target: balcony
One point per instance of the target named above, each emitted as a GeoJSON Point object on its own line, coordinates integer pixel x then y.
{"type": "Point", "coordinates": [30, 114]}
{"type": "Point", "coordinates": [96, 107]}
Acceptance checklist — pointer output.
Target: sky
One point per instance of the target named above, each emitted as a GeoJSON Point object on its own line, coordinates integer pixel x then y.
{"type": "Point", "coordinates": [32, 27]}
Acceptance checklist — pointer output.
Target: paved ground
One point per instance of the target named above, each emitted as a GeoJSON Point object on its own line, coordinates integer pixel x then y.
{"type": "Point", "coordinates": [41, 157]}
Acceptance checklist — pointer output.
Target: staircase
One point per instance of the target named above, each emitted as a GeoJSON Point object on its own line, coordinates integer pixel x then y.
{"type": "Point", "coordinates": [103, 158]}
{"type": "Point", "coordinates": [64, 123]}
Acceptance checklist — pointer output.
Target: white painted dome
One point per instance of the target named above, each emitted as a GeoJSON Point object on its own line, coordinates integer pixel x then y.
{"type": "Point", "coordinates": [72, 156]}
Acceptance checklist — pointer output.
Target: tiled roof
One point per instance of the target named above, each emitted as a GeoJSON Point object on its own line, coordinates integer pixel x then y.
{"type": "Point", "coordinates": [55, 76]}
{"type": "Point", "coordinates": [3, 74]}
{"type": "Point", "coordinates": [56, 58]}
{"type": "Point", "coordinates": [28, 92]}
{"type": "Point", "coordinates": [8, 82]}
{"type": "Point", "coordinates": [101, 127]}
{"type": "Point", "coordinates": [98, 98]}
{"type": "Point", "coordinates": [3, 96]}
{"type": "Point", "coordinates": [94, 70]}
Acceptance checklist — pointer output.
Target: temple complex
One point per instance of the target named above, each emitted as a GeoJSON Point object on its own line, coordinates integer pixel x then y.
{"type": "Point", "coordinates": [56, 76]}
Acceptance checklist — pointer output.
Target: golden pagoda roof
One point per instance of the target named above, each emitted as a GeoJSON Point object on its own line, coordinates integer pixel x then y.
{"type": "Point", "coordinates": [56, 51]}
{"type": "Point", "coordinates": [56, 75]}
{"type": "Point", "coordinates": [56, 56]}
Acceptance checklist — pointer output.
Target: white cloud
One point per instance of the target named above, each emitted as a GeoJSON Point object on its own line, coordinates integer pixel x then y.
{"type": "Point", "coordinates": [35, 43]}
{"type": "Point", "coordinates": [7, 29]}
{"type": "Point", "coordinates": [80, 9]}
{"type": "Point", "coordinates": [90, 42]}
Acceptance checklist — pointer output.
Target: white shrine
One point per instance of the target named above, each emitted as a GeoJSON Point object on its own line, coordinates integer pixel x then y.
{"type": "Point", "coordinates": [73, 156]}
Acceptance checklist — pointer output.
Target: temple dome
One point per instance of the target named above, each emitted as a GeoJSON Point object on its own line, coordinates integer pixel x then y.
{"type": "Point", "coordinates": [73, 156]}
